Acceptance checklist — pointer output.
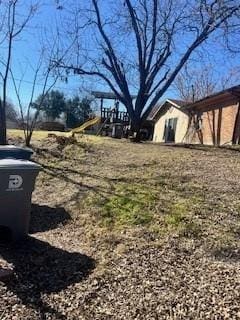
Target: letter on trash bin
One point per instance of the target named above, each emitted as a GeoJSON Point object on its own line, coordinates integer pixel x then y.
{"type": "Point", "coordinates": [15, 181]}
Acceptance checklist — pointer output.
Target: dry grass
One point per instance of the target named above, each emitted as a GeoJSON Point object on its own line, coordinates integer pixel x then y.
{"type": "Point", "coordinates": [42, 134]}
{"type": "Point", "coordinates": [161, 223]}
{"type": "Point", "coordinates": [38, 134]}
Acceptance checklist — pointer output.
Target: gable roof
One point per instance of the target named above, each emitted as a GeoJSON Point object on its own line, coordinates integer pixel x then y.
{"type": "Point", "coordinates": [174, 102]}
{"type": "Point", "coordinates": [219, 97]}
{"type": "Point", "coordinates": [177, 103]}
{"type": "Point", "coordinates": [153, 112]}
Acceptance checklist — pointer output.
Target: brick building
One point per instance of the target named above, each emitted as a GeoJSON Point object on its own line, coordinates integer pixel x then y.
{"type": "Point", "coordinates": [215, 120]}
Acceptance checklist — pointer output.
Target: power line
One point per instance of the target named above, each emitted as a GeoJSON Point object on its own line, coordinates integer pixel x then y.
{"type": "Point", "coordinates": [42, 85]}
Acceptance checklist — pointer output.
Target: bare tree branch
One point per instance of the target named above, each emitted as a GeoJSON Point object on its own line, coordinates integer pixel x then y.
{"type": "Point", "coordinates": [10, 29]}
{"type": "Point", "coordinates": [146, 49]}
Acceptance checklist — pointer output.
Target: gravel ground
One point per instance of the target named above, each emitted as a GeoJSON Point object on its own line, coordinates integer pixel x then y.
{"type": "Point", "coordinates": [74, 267]}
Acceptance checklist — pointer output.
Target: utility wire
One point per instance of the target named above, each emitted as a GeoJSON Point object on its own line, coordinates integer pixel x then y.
{"type": "Point", "coordinates": [41, 85]}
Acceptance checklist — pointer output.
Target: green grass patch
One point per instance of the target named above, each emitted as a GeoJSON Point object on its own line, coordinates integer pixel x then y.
{"type": "Point", "coordinates": [130, 205]}
{"type": "Point", "coordinates": [180, 216]}
{"type": "Point", "coordinates": [138, 204]}
{"type": "Point", "coordinates": [176, 213]}
{"type": "Point", "coordinates": [190, 229]}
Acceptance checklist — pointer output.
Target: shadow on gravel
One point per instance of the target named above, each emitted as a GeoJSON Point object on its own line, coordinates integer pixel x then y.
{"type": "Point", "coordinates": [44, 218]}
{"type": "Point", "coordinates": [198, 147]}
{"type": "Point", "coordinates": [202, 147]}
{"type": "Point", "coordinates": [228, 253]}
{"type": "Point", "coordinates": [41, 268]}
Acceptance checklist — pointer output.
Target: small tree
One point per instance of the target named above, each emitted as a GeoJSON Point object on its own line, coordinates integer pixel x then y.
{"type": "Point", "coordinates": [52, 104]}
{"type": "Point", "coordinates": [11, 112]}
{"type": "Point", "coordinates": [11, 27]}
{"type": "Point", "coordinates": [29, 113]}
{"type": "Point", "coordinates": [77, 111]}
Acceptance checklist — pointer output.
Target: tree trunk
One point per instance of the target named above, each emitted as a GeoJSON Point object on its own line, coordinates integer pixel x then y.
{"type": "Point", "coordinates": [138, 136]}
{"type": "Point", "coordinates": [3, 129]}
{"type": "Point", "coordinates": [28, 139]}
{"type": "Point", "coordinates": [136, 129]}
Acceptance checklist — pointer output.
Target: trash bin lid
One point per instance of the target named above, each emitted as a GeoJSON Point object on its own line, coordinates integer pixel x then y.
{"type": "Point", "coordinates": [11, 147]}
{"type": "Point", "coordinates": [18, 164]}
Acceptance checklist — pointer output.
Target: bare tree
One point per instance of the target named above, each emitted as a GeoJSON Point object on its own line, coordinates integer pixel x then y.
{"type": "Point", "coordinates": [142, 45]}
{"type": "Point", "coordinates": [193, 84]}
{"type": "Point", "coordinates": [11, 26]}
{"type": "Point", "coordinates": [44, 73]}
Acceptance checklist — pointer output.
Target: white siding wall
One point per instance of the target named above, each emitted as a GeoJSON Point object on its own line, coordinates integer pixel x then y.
{"type": "Point", "coordinates": [181, 129]}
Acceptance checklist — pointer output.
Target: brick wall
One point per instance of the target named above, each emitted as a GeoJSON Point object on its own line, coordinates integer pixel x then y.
{"type": "Point", "coordinates": [217, 125]}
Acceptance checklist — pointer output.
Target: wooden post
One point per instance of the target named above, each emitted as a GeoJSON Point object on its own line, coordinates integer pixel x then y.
{"type": "Point", "coordinates": [101, 108]}
{"type": "Point", "coordinates": [236, 131]}
{"type": "Point", "coordinates": [219, 126]}
{"type": "Point", "coordinates": [3, 129]}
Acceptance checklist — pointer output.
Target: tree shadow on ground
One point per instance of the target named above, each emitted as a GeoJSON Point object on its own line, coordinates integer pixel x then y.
{"type": "Point", "coordinates": [41, 268]}
{"type": "Point", "coordinates": [227, 253]}
{"type": "Point", "coordinates": [63, 172]}
{"type": "Point", "coordinates": [44, 218]}
{"type": "Point", "coordinates": [197, 147]}
{"type": "Point", "coordinates": [202, 147]}
{"type": "Point", "coordinates": [234, 148]}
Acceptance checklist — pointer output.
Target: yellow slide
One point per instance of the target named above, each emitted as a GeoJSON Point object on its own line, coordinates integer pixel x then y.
{"type": "Point", "coordinates": [86, 124]}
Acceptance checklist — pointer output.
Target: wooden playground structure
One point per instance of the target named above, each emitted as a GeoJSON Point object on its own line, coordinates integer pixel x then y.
{"type": "Point", "coordinates": [111, 121]}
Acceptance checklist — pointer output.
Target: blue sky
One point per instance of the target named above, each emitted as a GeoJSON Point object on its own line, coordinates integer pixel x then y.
{"type": "Point", "coordinates": [27, 47]}
{"type": "Point", "coordinates": [26, 54]}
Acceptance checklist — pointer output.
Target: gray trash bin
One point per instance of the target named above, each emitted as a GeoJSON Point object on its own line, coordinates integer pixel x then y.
{"type": "Point", "coordinates": [10, 151]}
{"type": "Point", "coordinates": [117, 131]}
{"type": "Point", "coordinates": [17, 180]}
